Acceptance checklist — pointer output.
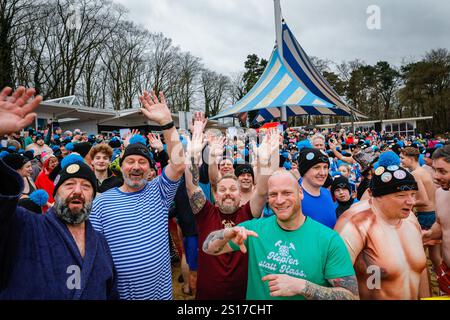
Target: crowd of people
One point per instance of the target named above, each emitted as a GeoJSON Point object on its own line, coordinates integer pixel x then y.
{"type": "Point", "coordinates": [289, 213]}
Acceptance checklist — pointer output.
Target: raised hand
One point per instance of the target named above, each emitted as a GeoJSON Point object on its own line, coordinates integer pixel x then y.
{"type": "Point", "coordinates": [198, 117]}
{"type": "Point", "coordinates": [195, 144]}
{"type": "Point", "coordinates": [331, 144]}
{"type": "Point", "coordinates": [155, 109]}
{"type": "Point", "coordinates": [128, 136]}
{"type": "Point", "coordinates": [216, 145]}
{"type": "Point", "coordinates": [155, 142]}
{"type": "Point", "coordinates": [269, 148]}
{"type": "Point", "coordinates": [16, 109]}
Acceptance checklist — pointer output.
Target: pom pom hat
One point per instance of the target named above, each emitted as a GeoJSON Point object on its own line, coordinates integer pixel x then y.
{"type": "Point", "coordinates": [73, 166]}
{"type": "Point", "coordinates": [390, 178]}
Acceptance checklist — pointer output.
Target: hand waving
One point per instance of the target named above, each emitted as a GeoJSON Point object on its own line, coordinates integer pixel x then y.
{"type": "Point", "coordinates": [16, 109]}
{"type": "Point", "coordinates": [154, 109]}
{"type": "Point", "coordinates": [269, 148]}
{"type": "Point", "coordinates": [155, 142]}
{"type": "Point", "coordinates": [195, 145]}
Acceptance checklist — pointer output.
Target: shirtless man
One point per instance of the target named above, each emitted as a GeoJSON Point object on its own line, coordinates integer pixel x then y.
{"type": "Point", "coordinates": [246, 177]}
{"type": "Point", "coordinates": [425, 201]}
{"type": "Point", "coordinates": [428, 166]}
{"type": "Point", "coordinates": [425, 209]}
{"type": "Point", "coordinates": [441, 228]}
{"type": "Point", "coordinates": [383, 238]}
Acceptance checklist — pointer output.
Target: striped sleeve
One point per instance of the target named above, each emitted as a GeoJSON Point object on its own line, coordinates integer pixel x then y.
{"type": "Point", "coordinates": [96, 214]}
{"type": "Point", "coordinates": [167, 188]}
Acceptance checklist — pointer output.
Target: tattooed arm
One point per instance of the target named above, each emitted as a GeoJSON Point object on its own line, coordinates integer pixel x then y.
{"type": "Point", "coordinates": [196, 196]}
{"type": "Point", "coordinates": [345, 288]}
{"type": "Point", "coordinates": [217, 241]}
{"type": "Point", "coordinates": [194, 149]}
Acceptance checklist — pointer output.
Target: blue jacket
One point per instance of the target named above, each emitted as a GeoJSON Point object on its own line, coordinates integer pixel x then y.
{"type": "Point", "coordinates": [39, 258]}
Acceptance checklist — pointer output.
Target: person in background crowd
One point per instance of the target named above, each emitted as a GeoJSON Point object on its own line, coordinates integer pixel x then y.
{"type": "Point", "coordinates": [43, 181]}
{"type": "Point", "coordinates": [317, 203]}
{"type": "Point", "coordinates": [101, 155]}
{"type": "Point", "coordinates": [341, 191]}
{"type": "Point", "coordinates": [22, 165]}
{"type": "Point", "coordinates": [441, 228]}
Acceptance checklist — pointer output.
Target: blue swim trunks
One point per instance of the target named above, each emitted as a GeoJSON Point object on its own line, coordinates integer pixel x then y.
{"type": "Point", "coordinates": [426, 219]}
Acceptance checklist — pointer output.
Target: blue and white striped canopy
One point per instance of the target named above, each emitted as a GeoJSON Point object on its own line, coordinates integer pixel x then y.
{"type": "Point", "coordinates": [290, 80]}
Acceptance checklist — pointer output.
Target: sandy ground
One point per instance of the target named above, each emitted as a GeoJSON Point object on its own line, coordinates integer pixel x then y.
{"type": "Point", "coordinates": [177, 290]}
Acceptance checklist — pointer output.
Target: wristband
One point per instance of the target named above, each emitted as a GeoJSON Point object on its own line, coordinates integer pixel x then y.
{"type": "Point", "coordinates": [168, 126]}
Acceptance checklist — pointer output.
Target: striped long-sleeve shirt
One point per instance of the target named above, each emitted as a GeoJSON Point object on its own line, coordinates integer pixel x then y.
{"type": "Point", "coordinates": [136, 228]}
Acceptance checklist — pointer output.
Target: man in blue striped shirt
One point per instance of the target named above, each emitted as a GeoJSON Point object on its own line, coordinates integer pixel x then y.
{"type": "Point", "coordinates": [134, 217]}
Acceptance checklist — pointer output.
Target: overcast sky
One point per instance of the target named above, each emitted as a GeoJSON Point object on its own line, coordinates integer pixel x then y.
{"type": "Point", "coordinates": [224, 32]}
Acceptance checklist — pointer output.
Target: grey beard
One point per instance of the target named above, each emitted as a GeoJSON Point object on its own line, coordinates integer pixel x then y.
{"type": "Point", "coordinates": [227, 209]}
{"type": "Point", "coordinates": [135, 185]}
{"type": "Point", "coordinates": [66, 215]}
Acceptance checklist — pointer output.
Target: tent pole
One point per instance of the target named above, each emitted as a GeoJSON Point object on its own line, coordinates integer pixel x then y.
{"type": "Point", "coordinates": [278, 27]}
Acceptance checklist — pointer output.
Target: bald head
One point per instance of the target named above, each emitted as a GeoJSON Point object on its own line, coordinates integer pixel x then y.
{"type": "Point", "coordinates": [285, 196]}
{"type": "Point", "coordinates": [283, 175]}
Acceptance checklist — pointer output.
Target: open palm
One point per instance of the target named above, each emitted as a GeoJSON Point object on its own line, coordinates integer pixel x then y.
{"type": "Point", "coordinates": [155, 109]}
{"type": "Point", "coordinates": [16, 109]}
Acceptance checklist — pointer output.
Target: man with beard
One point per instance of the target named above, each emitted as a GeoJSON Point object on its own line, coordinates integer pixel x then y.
{"type": "Point", "coordinates": [134, 217]}
{"type": "Point", "coordinates": [225, 277]}
{"type": "Point", "coordinates": [101, 155]}
{"type": "Point", "coordinates": [59, 255]}
{"type": "Point", "coordinates": [246, 178]}
{"type": "Point", "coordinates": [290, 256]}
{"type": "Point", "coordinates": [384, 238]}
{"type": "Point", "coordinates": [441, 228]}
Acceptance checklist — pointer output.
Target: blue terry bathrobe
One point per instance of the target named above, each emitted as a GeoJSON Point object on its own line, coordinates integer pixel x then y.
{"type": "Point", "coordinates": [39, 258]}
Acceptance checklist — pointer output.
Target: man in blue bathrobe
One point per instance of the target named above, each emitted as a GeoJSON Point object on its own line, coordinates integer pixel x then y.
{"type": "Point", "coordinates": [57, 255]}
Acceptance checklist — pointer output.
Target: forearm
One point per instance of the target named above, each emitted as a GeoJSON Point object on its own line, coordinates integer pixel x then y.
{"type": "Point", "coordinates": [312, 291]}
{"type": "Point", "coordinates": [175, 150]}
{"type": "Point", "coordinates": [213, 171]}
{"type": "Point", "coordinates": [424, 286]}
{"type": "Point", "coordinates": [216, 243]}
{"type": "Point", "coordinates": [436, 231]}
{"type": "Point", "coordinates": [196, 196]}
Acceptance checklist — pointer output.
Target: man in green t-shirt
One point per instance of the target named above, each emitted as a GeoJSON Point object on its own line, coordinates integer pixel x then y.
{"type": "Point", "coordinates": [290, 256]}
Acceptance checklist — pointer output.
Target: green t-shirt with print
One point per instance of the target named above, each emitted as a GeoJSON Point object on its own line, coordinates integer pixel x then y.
{"type": "Point", "coordinates": [312, 252]}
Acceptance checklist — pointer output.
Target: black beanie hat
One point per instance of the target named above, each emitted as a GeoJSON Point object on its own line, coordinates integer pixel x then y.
{"type": "Point", "coordinates": [391, 179]}
{"type": "Point", "coordinates": [114, 143]}
{"type": "Point", "coordinates": [309, 157]}
{"type": "Point", "coordinates": [244, 168]}
{"type": "Point", "coordinates": [82, 148]}
{"type": "Point", "coordinates": [136, 149]}
{"type": "Point", "coordinates": [15, 160]}
{"type": "Point", "coordinates": [340, 182]}
{"type": "Point", "coordinates": [73, 166]}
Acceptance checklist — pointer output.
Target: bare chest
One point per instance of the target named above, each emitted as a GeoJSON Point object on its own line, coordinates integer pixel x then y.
{"type": "Point", "coordinates": [393, 251]}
